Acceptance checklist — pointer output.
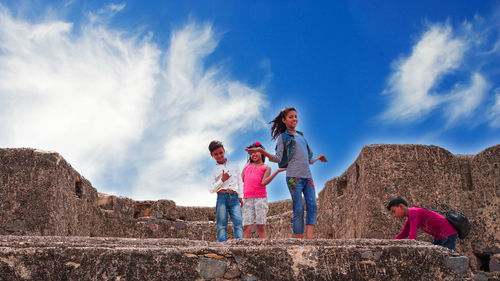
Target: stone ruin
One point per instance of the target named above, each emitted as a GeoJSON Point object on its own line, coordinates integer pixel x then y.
{"type": "Point", "coordinates": [353, 205]}
{"type": "Point", "coordinates": [55, 225]}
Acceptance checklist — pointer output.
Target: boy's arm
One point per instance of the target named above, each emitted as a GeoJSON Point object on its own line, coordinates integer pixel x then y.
{"type": "Point", "coordinates": [415, 217]}
{"type": "Point", "coordinates": [404, 232]}
{"type": "Point", "coordinates": [216, 181]}
{"type": "Point", "coordinates": [266, 179]}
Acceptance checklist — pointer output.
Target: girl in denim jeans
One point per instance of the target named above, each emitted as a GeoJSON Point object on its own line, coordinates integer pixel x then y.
{"type": "Point", "coordinates": [293, 153]}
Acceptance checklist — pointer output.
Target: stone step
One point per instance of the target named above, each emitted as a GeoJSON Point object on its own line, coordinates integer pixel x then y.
{"type": "Point", "coordinates": [85, 258]}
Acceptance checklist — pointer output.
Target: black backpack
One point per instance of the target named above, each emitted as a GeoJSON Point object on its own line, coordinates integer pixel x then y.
{"type": "Point", "coordinates": [457, 219]}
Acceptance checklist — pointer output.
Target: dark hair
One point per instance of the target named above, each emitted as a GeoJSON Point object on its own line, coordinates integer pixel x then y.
{"type": "Point", "coordinates": [256, 144]}
{"type": "Point", "coordinates": [278, 125]}
{"type": "Point", "coordinates": [214, 145]}
{"type": "Point", "coordinates": [395, 201]}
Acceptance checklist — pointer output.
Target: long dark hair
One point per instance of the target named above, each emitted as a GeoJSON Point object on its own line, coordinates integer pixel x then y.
{"type": "Point", "coordinates": [278, 125]}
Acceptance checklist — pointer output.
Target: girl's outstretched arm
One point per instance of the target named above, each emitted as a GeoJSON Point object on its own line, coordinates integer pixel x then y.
{"type": "Point", "coordinates": [258, 149]}
{"type": "Point", "coordinates": [266, 179]}
{"type": "Point", "coordinates": [322, 158]}
{"type": "Point", "coordinates": [273, 158]}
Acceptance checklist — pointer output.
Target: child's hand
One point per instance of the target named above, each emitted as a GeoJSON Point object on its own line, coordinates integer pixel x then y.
{"type": "Point", "coordinates": [268, 178]}
{"type": "Point", "coordinates": [254, 149]}
{"type": "Point", "coordinates": [225, 176]}
{"type": "Point", "coordinates": [322, 158]}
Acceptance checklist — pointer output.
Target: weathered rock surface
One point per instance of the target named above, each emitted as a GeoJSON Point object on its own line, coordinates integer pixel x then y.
{"type": "Point", "coordinates": [41, 194]}
{"type": "Point", "coordinates": [78, 258]}
{"type": "Point", "coordinates": [353, 205]}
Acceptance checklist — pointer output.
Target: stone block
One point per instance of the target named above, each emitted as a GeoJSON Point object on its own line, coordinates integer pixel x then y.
{"type": "Point", "coordinates": [495, 263]}
{"type": "Point", "coordinates": [84, 258]}
{"type": "Point", "coordinates": [457, 264]}
{"type": "Point", "coordinates": [212, 268]}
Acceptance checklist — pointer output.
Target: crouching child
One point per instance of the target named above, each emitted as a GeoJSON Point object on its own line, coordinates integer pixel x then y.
{"type": "Point", "coordinates": [430, 222]}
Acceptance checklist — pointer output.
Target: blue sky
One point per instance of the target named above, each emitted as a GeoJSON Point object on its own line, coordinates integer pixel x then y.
{"type": "Point", "coordinates": [132, 92]}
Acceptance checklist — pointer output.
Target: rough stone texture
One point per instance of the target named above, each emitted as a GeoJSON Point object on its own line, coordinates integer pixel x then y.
{"type": "Point", "coordinates": [495, 263]}
{"type": "Point", "coordinates": [41, 194]}
{"type": "Point", "coordinates": [353, 205]}
{"type": "Point", "coordinates": [211, 268]}
{"type": "Point", "coordinates": [487, 276]}
{"type": "Point", "coordinates": [123, 217]}
{"type": "Point", "coordinates": [457, 264]}
{"type": "Point", "coordinates": [78, 258]}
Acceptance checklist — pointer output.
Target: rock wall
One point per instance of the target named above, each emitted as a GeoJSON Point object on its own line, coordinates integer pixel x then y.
{"type": "Point", "coordinates": [77, 258]}
{"type": "Point", "coordinates": [41, 194]}
{"type": "Point", "coordinates": [353, 205]}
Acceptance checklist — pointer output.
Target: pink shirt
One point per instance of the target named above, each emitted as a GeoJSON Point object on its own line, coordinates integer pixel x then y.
{"type": "Point", "coordinates": [252, 184]}
{"type": "Point", "coordinates": [430, 222]}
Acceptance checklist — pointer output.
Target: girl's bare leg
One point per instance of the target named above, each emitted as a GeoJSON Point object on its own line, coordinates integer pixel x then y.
{"type": "Point", "coordinates": [261, 228]}
{"type": "Point", "coordinates": [247, 231]}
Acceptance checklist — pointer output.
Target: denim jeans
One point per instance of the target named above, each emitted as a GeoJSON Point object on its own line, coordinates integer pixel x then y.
{"type": "Point", "coordinates": [297, 186]}
{"type": "Point", "coordinates": [449, 242]}
{"type": "Point", "coordinates": [228, 203]}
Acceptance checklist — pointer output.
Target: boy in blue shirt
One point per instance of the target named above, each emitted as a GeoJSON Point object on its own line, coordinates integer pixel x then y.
{"type": "Point", "coordinates": [226, 182]}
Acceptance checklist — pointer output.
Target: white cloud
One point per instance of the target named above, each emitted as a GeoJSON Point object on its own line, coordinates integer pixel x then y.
{"type": "Point", "coordinates": [436, 54]}
{"type": "Point", "coordinates": [116, 7]}
{"type": "Point", "coordinates": [494, 112]}
{"type": "Point", "coordinates": [69, 3]}
{"type": "Point", "coordinates": [85, 96]}
{"type": "Point", "coordinates": [431, 78]}
{"type": "Point", "coordinates": [465, 100]}
{"type": "Point", "coordinates": [114, 105]}
{"type": "Point", "coordinates": [200, 105]}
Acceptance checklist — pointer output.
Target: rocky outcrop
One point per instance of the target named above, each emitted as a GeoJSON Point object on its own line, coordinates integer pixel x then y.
{"type": "Point", "coordinates": [353, 205]}
{"type": "Point", "coordinates": [41, 194]}
{"type": "Point", "coordinates": [77, 258]}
